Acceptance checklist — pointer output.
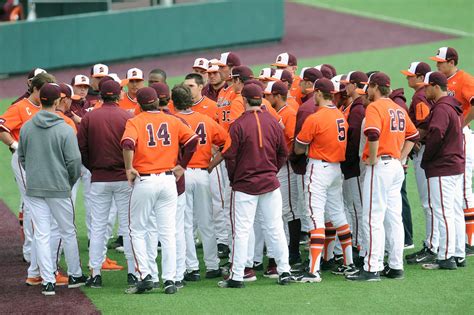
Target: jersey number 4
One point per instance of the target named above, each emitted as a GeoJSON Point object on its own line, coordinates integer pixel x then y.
{"type": "Point", "coordinates": [340, 129]}
{"type": "Point", "coordinates": [201, 133]}
{"type": "Point", "coordinates": [397, 120]}
{"type": "Point", "coordinates": [162, 134]}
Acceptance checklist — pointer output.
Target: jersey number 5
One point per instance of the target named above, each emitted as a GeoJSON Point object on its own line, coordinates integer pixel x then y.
{"type": "Point", "coordinates": [397, 120]}
{"type": "Point", "coordinates": [162, 134]}
{"type": "Point", "coordinates": [340, 129]}
{"type": "Point", "coordinates": [201, 133]}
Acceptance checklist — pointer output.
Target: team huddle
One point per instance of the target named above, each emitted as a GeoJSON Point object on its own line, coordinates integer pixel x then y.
{"type": "Point", "coordinates": [252, 165]}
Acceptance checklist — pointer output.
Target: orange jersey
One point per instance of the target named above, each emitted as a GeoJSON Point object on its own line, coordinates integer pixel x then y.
{"type": "Point", "coordinates": [295, 89]}
{"type": "Point", "coordinates": [206, 106]}
{"type": "Point", "coordinates": [98, 104]}
{"type": "Point", "coordinates": [209, 133]}
{"type": "Point", "coordinates": [226, 95]}
{"type": "Point", "coordinates": [68, 120]}
{"type": "Point", "coordinates": [237, 108]}
{"type": "Point", "coordinates": [461, 86]}
{"type": "Point", "coordinates": [157, 137]}
{"type": "Point", "coordinates": [269, 108]}
{"type": "Point", "coordinates": [16, 115]}
{"type": "Point", "coordinates": [325, 132]}
{"type": "Point", "coordinates": [291, 101]}
{"type": "Point", "coordinates": [393, 125]}
{"type": "Point", "coordinates": [128, 104]}
{"type": "Point", "coordinates": [288, 116]}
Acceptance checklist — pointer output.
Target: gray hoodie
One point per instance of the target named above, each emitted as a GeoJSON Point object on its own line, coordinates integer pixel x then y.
{"type": "Point", "coordinates": [49, 153]}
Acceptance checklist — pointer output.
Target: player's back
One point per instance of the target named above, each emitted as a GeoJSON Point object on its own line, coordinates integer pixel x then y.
{"type": "Point", "coordinates": [461, 86]}
{"type": "Point", "coordinates": [226, 96]}
{"type": "Point", "coordinates": [16, 115]}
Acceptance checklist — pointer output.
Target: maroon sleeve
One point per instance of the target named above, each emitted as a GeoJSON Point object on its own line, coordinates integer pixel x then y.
{"type": "Point", "coordinates": [400, 102]}
{"type": "Point", "coordinates": [437, 128]}
{"type": "Point", "coordinates": [282, 150]}
{"type": "Point", "coordinates": [372, 135]}
{"type": "Point", "coordinates": [82, 139]}
{"type": "Point", "coordinates": [230, 155]}
{"type": "Point", "coordinates": [128, 144]}
{"type": "Point", "coordinates": [356, 116]}
{"type": "Point", "coordinates": [187, 152]}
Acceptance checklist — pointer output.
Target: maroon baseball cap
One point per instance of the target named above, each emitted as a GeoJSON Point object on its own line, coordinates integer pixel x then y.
{"type": "Point", "coordinates": [435, 78]}
{"type": "Point", "coordinates": [284, 60]}
{"type": "Point", "coordinates": [311, 74]}
{"type": "Point", "coordinates": [103, 80]}
{"type": "Point", "coordinates": [162, 90]}
{"type": "Point", "coordinates": [379, 78]}
{"type": "Point", "coordinates": [229, 59]}
{"type": "Point", "coordinates": [326, 71]}
{"type": "Point", "coordinates": [355, 77]}
{"type": "Point", "coordinates": [50, 92]}
{"type": "Point", "coordinates": [110, 87]}
{"type": "Point", "coordinates": [66, 90]}
{"type": "Point", "coordinates": [333, 69]}
{"type": "Point", "coordinates": [283, 75]}
{"type": "Point", "coordinates": [324, 85]}
{"type": "Point", "coordinates": [417, 68]}
{"type": "Point", "coordinates": [252, 91]}
{"type": "Point", "coordinates": [146, 95]}
{"type": "Point", "coordinates": [276, 87]}
{"type": "Point", "coordinates": [255, 81]}
{"type": "Point", "coordinates": [241, 72]}
{"type": "Point", "coordinates": [445, 54]}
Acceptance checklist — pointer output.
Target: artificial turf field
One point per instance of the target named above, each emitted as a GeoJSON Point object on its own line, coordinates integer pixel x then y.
{"type": "Point", "coordinates": [420, 292]}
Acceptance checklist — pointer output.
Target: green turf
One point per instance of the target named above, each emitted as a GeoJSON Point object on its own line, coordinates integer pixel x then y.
{"type": "Point", "coordinates": [420, 292]}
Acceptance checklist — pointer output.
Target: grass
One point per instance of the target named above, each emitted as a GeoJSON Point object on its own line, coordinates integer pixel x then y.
{"type": "Point", "coordinates": [420, 292]}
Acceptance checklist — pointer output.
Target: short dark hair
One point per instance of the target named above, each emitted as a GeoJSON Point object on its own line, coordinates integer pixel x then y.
{"type": "Point", "coordinates": [40, 79]}
{"type": "Point", "coordinates": [443, 88]}
{"type": "Point", "coordinates": [254, 102]}
{"type": "Point", "coordinates": [384, 90]}
{"type": "Point", "coordinates": [197, 78]}
{"type": "Point", "coordinates": [163, 101]}
{"type": "Point", "coordinates": [327, 96]}
{"type": "Point", "coordinates": [48, 103]}
{"type": "Point", "coordinates": [147, 107]}
{"type": "Point", "coordinates": [181, 96]}
{"type": "Point", "coordinates": [110, 98]}
{"type": "Point", "coordinates": [159, 72]}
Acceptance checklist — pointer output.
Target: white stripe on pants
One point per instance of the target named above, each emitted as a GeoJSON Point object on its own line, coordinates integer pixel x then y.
{"type": "Point", "coordinates": [267, 209]}
{"type": "Point", "coordinates": [382, 214]}
{"type": "Point", "coordinates": [154, 198]}
{"type": "Point", "coordinates": [62, 210]}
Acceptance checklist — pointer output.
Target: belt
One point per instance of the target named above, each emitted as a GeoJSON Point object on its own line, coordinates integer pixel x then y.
{"type": "Point", "coordinates": [199, 168]}
{"type": "Point", "coordinates": [386, 157]}
{"type": "Point", "coordinates": [166, 173]}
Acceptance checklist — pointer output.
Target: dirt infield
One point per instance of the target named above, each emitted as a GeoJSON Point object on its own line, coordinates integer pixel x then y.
{"type": "Point", "coordinates": [18, 298]}
{"type": "Point", "coordinates": [309, 32]}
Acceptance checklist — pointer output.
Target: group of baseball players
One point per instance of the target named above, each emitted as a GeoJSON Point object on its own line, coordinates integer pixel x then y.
{"type": "Point", "coordinates": [254, 164]}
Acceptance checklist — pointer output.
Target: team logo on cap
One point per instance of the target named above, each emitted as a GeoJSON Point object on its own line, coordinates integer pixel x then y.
{"type": "Point", "coordinates": [134, 73]}
{"type": "Point", "coordinates": [2, 121]}
{"type": "Point", "coordinates": [279, 59]}
{"type": "Point", "coordinates": [83, 79]}
{"type": "Point", "coordinates": [201, 63]}
{"type": "Point", "coordinates": [101, 69]}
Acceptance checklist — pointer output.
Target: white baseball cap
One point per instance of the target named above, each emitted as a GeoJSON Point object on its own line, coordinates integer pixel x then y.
{"type": "Point", "coordinates": [284, 60]}
{"type": "Point", "coordinates": [135, 74]}
{"type": "Point", "coordinates": [213, 67]}
{"type": "Point", "coordinates": [338, 85]}
{"type": "Point", "coordinates": [99, 70]}
{"type": "Point", "coordinates": [116, 78]}
{"type": "Point", "coordinates": [80, 79]}
{"type": "Point", "coordinates": [303, 70]}
{"type": "Point", "coordinates": [266, 74]}
{"type": "Point", "coordinates": [201, 63]}
{"type": "Point", "coordinates": [35, 72]}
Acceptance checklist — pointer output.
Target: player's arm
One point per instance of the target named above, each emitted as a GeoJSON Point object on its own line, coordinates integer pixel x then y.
{"type": "Point", "coordinates": [72, 156]}
{"type": "Point", "coordinates": [468, 94]}
{"type": "Point", "coordinates": [411, 137]}
{"type": "Point", "coordinates": [218, 139]}
{"type": "Point", "coordinates": [231, 150]}
{"type": "Point", "coordinates": [8, 140]}
{"type": "Point", "coordinates": [470, 115]}
{"type": "Point", "coordinates": [188, 141]}
{"type": "Point", "coordinates": [21, 149]}
{"type": "Point", "coordinates": [373, 125]}
{"type": "Point", "coordinates": [282, 150]}
{"type": "Point", "coordinates": [10, 120]}
{"type": "Point", "coordinates": [438, 125]}
{"type": "Point", "coordinates": [82, 139]}
{"type": "Point", "coordinates": [305, 136]}
{"type": "Point", "coordinates": [128, 142]}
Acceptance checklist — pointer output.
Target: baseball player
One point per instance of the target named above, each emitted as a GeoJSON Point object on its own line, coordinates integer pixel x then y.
{"type": "Point", "coordinates": [266, 75]}
{"type": "Point", "coordinates": [156, 76]}
{"type": "Point", "coordinates": [276, 93]}
{"type": "Point", "coordinates": [443, 161]}
{"type": "Point", "coordinates": [49, 153]}
{"type": "Point", "coordinates": [200, 66]}
{"type": "Point", "coordinates": [325, 132]}
{"type": "Point", "coordinates": [215, 83]}
{"type": "Point", "coordinates": [287, 61]}
{"type": "Point", "coordinates": [352, 188]}
{"type": "Point", "coordinates": [98, 71]}
{"type": "Point", "coordinates": [198, 192]}
{"type": "Point", "coordinates": [30, 77]}
{"type": "Point", "coordinates": [226, 63]}
{"type": "Point", "coordinates": [99, 138]}
{"type": "Point", "coordinates": [461, 86]}
{"type": "Point", "coordinates": [285, 76]}
{"type": "Point", "coordinates": [390, 137]}
{"type": "Point", "coordinates": [10, 124]}
{"type": "Point", "coordinates": [80, 106]}
{"type": "Point", "coordinates": [255, 151]}
{"type": "Point", "coordinates": [419, 112]}
{"type": "Point", "coordinates": [327, 70]}
{"type": "Point", "coordinates": [150, 147]}
{"type": "Point", "coordinates": [135, 82]}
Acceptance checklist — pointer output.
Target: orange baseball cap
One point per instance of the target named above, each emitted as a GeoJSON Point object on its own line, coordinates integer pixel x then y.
{"type": "Point", "coordinates": [135, 74]}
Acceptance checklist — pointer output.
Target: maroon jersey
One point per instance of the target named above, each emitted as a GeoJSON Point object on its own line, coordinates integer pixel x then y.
{"type": "Point", "coordinates": [399, 98]}
{"type": "Point", "coordinates": [351, 166]}
{"type": "Point", "coordinates": [210, 92]}
{"type": "Point", "coordinates": [254, 153]}
{"type": "Point", "coordinates": [93, 97]}
{"type": "Point", "coordinates": [99, 136]}
{"type": "Point", "coordinates": [420, 109]}
{"type": "Point", "coordinates": [80, 108]}
{"type": "Point", "coordinates": [444, 152]}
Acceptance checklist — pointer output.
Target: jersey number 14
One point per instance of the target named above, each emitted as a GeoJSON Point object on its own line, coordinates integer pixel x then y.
{"type": "Point", "coordinates": [162, 135]}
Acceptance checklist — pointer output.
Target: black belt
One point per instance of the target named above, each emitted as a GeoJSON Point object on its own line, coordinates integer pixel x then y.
{"type": "Point", "coordinates": [167, 173]}
{"type": "Point", "coordinates": [199, 168]}
{"type": "Point", "coordinates": [386, 157]}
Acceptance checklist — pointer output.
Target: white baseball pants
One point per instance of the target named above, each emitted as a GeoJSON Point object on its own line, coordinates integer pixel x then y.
{"type": "Point", "coordinates": [86, 187]}
{"type": "Point", "coordinates": [181, 245]}
{"type": "Point", "coordinates": [218, 179]}
{"type": "Point", "coordinates": [352, 191]}
{"type": "Point", "coordinates": [266, 209]}
{"type": "Point", "coordinates": [468, 197]}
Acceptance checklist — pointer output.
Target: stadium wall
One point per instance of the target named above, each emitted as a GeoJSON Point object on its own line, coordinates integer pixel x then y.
{"type": "Point", "coordinates": [109, 36]}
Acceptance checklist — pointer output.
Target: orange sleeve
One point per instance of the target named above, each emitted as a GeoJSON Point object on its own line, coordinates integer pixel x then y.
{"type": "Point", "coordinates": [290, 126]}
{"type": "Point", "coordinates": [308, 130]}
{"type": "Point", "coordinates": [137, 110]}
{"type": "Point", "coordinates": [468, 89]}
{"type": "Point", "coordinates": [171, 107]}
{"type": "Point", "coordinates": [98, 104]}
{"type": "Point", "coordinates": [184, 132]}
{"type": "Point", "coordinates": [131, 132]}
{"type": "Point", "coordinates": [219, 134]}
{"type": "Point", "coordinates": [273, 112]}
{"type": "Point", "coordinates": [373, 121]}
{"type": "Point", "coordinates": [421, 111]}
{"type": "Point", "coordinates": [410, 131]}
{"type": "Point", "coordinates": [236, 108]}
{"type": "Point", "coordinates": [11, 119]}
{"type": "Point", "coordinates": [227, 144]}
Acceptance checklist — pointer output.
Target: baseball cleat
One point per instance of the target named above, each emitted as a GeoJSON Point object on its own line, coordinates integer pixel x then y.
{"type": "Point", "coordinates": [170, 287]}
{"type": "Point", "coordinates": [117, 243]}
{"type": "Point", "coordinates": [48, 289]}
{"type": "Point", "coordinates": [76, 282]}
{"type": "Point", "coordinates": [328, 264]}
{"type": "Point", "coordinates": [222, 251]}
{"type": "Point", "coordinates": [109, 266]}
{"type": "Point", "coordinates": [192, 275]}
{"type": "Point", "coordinates": [61, 279]}
{"type": "Point", "coordinates": [345, 270]}
{"type": "Point", "coordinates": [180, 284]}
{"type": "Point", "coordinates": [144, 285]}
{"type": "Point", "coordinates": [94, 282]}
{"type": "Point", "coordinates": [469, 250]}
{"type": "Point", "coordinates": [285, 278]}
{"type": "Point", "coordinates": [338, 259]}
{"type": "Point", "coordinates": [460, 261]}
{"type": "Point", "coordinates": [271, 272]}
{"type": "Point", "coordinates": [156, 285]}
{"type": "Point", "coordinates": [131, 280]}
{"type": "Point", "coordinates": [33, 281]}
{"type": "Point", "coordinates": [258, 266]}
{"type": "Point", "coordinates": [110, 261]}
{"type": "Point", "coordinates": [231, 284]}
{"type": "Point", "coordinates": [448, 264]}
{"type": "Point", "coordinates": [363, 275]}
{"type": "Point", "coordinates": [308, 277]}
{"type": "Point", "coordinates": [408, 246]}
{"type": "Point", "coordinates": [392, 273]}
{"type": "Point", "coordinates": [214, 273]}
{"type": "Point", "coordinates": [304, 238]}
{"type": "Point", "coordinates": [425, 255]}
{"type": "Point", "coordinates": [249, 275]}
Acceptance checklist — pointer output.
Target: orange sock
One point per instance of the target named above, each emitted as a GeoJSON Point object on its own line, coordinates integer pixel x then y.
{"type": "Point", "coordinates": [345, 238]}
{"type": "Point", "coordinates": [316, 247]}
{"type": "Point", "coordinates": [469, 217]}
{"type": "Point", "coordinates": [329, 241]}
